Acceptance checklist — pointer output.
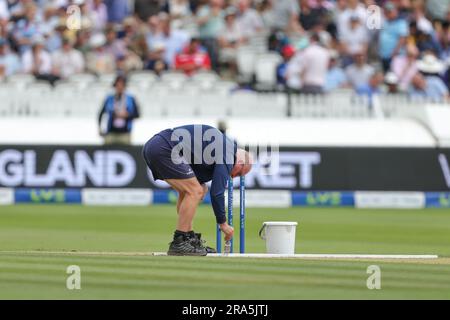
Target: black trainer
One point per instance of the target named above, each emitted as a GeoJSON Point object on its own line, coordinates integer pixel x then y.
{"type": "Point", "coordinates": [184, 246]}
{"type": "Point", "coordinates": [197, 239]}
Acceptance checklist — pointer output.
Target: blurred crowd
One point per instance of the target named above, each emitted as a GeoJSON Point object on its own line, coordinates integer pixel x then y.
{"type": "Point", "coordinates": [400, 46]}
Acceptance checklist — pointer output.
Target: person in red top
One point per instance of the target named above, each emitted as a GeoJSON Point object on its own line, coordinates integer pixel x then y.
{"type": "Point", "coordinates": [192, 58]}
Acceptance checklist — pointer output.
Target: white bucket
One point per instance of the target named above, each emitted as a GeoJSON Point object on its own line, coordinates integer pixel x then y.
{"type": "Point", "coordinates": [279, 236]}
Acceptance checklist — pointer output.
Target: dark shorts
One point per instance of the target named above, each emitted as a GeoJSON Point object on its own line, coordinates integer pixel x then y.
{"type": "Point", "coordinates": [157, 153]}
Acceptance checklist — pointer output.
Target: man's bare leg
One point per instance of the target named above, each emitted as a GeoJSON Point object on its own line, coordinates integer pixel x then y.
{"type": "Point", "coordinates": [180, 199]}
{"type": "Point", "coordinates": [192, 195]}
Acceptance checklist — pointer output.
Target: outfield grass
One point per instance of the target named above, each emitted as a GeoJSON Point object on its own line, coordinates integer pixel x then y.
{"type": "Point", "coordinates": [131, 229]}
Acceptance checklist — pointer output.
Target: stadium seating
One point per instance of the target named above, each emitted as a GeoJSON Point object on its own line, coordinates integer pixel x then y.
{"type": "Point", "coordinates": [20, 80]}
{"type": "Point", "coordinates": [176, 95]}
{"type": "Point", "coordinates": [246, 62]}
{"type": "Point", "coordinates": [251, 104]}
{"type": "Point", "coordinates": [174, 80]}
{"type": "Point", "coordinates": [82, 80]}
{"type": "Point", "coordinates": [265, 70]}
{"type": "Point", "coordinates": [142, 79]}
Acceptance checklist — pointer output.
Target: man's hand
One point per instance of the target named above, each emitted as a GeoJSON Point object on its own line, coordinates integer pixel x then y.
{"type": "Point", "coordinates": [227, 230]}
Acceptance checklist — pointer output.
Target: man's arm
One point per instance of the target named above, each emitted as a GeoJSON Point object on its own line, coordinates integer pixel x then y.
{"type": "Point", "coordinates": [102, 111]}
{"type": "Point", "coordinates": [100, 116]}
{"type": "Point", "coordinates": [217, 192]}
{"type": "Point", "coordinates": [403, 34]}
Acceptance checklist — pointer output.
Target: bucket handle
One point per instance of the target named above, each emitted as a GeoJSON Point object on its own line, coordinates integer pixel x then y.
{"type": "Point", "coordinates": [261, 234]}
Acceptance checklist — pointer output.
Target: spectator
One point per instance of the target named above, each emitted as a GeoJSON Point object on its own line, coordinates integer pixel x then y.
{"type": "Point", "coordinates": [327, 5]}
{"type": "Point", "coordinates": [27, 28]}
{"type": "Point", "coordinates": [9, 61]}
{"type": "Point", "coordinates": [117, 115]}
{"type": "Point", "coordinates": [86, 17]}
{"type": "Point", "coordinates": [53, 38]}
{"type": "Point", "coordinates": [353, 40]}
{"type": "Point", "coordinates": [155, 56]}
{"type": "Point", "coordinates": [167, 42]}
{"type": "Point", "coordinates": [444, 40]}
{"type": "Point", "coordinates": [117, 10]}
{"type": "Point", "coordinates": [99, 61]}
{"type": "Point", "coordinates": [114, 46]}
{"type": "Point", "coordinates": [404, 7]}
{"type": "Point", "coordinates": [285, 16]}
{"type": "Point", "coordinates": [18, 8]}
{"type": "Point", "coordinates": [37, 61]}
{"type": "Point", "coordinates": [210, 20]}
{"type": "Point", "coordinates": [179, 12]}
{"type": "Point", "coordinates": [391, 81]}
{"type": "Point", "coordinates": [82, 41]}
{"type": "Point", "coordinates": [311, 67]}
{"type": "Point", "coordinates": [345, 11]}
{"type": "Point", "coordinates": [249, 20]}
{"type": "Point", "coordinates": [418, 16]}
{"type": "Point", "coordinates": [231, 38]}
{"type": "Point", "coordinates": [98, 15]}
{"type": "Point", "coordinates": [359, 73]}
{"type": "Point", "coordinates": [67, 61]}
{"type": "Point", "coordinates": [324, 36]}
{"type": "Point", "coordinates": [325, 9]}
{"type": "Point", "coordinates": [437, 9]}
{"type": "Point", "coordinates": [267, 15]}
{"type": "Point", "coordinates": [336, 16]}
{"type": "Point", "coordinates": [430, 65]}
{"type": "Point", "coordinates": [192, 58]}
{"type": "Point", "coordinates": [427, 42]}
{"type": "Point", "coordinates": [427, 85]}
{"type": "Point", "coordinates": [336, 77]}
{"type": "Point", "coordinates": [287, 52]}
{"type": "Point", "coordinates": [49, 19]}
{"type": "Point", "coordinates": [405, 67]}
{"type": "Point", "coordinates": [371, 90]}
{"type": "Point", "coordinates": [144, 9]}
{"type": "Point", "coordinates": [129, 62]}
{"type": "Point", "coordinates": [134, 38]}
{"type": "Point", "coordinates": [278, 40]}
{"type": "Point", "coordinates": [428, 89]}
{"type": "Point", "coordinates": [392, 35]}
{"type": "Point", "coordinates": [311, 16]}
{"type": "Point", "coordinates": [4, 27]}
{"type": "Point", "coordinates": [4, 11]}
{"type": "Point", "coordinates": [132, 43]}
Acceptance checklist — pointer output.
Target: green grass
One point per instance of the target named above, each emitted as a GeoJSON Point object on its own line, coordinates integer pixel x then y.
{"type": "Point", "coordinates": [131, 229]}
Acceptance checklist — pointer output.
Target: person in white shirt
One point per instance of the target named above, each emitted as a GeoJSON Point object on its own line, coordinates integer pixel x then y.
{"type": "Point", "coordinates": [359, 73]}
{"type": "Point", "coordinates": [98, 60]}
{"type": "Point", "coordinates": [310, 67]}
{"type": "Point", "coordinates": [285, 16]}
{"type": "Point", "coordinates": [249, 19]}
{"type": "Point", "coordinates": [418, 14]}
{"type": "Point", "coordinates": [37, 61]}
{"type": "Point", "coordinates": [98, 14]}
{"type": "Point", "coordinates": [180, 13]}
{"type": "Point", "coordinates": [231, 37]}
{"type": "Point", "coordinates": [353, 39]}
{"type": "Point", "coordinates": [4, 12]}
{"type": "Point", "coordinates": [67, 60]}
{"type": "Point", "coordinates": [170, 40]}
{"type": "Point", "coordinates": [353, 8]}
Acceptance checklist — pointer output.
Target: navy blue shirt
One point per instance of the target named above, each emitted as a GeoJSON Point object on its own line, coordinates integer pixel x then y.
{"type": "Point", "coordinates": [108, 111]}
{"type": "Point", "coordinates": [209, 162]}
